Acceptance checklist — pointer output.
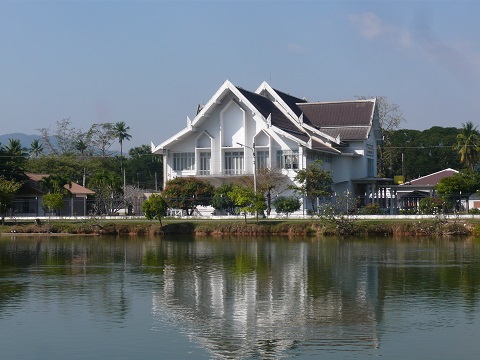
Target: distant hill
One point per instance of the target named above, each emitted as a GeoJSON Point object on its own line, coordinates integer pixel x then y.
{"type": "Point", "coordinates": [25, 139]}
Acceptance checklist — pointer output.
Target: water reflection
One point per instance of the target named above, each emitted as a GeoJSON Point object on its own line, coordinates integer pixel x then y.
{"type": "Point", "coordinates": [249, 297]}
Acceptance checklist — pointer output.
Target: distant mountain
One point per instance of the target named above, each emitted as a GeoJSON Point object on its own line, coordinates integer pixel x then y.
{"type": "Point", "coordinates": [25, 139]}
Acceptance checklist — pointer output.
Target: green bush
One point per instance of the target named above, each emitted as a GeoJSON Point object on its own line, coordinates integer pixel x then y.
{"type": "Point", "coordinates": [431, 206]}
{"type": "Point", "coordinates": [371, 209]}
{"type": "Point", "coordinates": [286, 205]}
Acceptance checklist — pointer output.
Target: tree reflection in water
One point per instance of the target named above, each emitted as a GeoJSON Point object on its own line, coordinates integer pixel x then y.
{"type": "Point", "coordinates": [253, 297]}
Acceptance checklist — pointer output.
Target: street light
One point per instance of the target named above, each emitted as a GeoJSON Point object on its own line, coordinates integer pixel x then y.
{"type": "Point", "coordinates": [254, 172]}
{"type": "Point", "coordinates": [254, 166]}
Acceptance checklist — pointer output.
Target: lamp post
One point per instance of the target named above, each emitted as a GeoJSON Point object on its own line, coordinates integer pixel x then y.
{"type": "Point", "coordinates": [254, 172]}
{"type": "Point", "coordinates": [254, 166]}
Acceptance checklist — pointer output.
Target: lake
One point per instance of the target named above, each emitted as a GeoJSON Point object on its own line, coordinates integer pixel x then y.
{"type": "Point", "coordinates": [239, 298]}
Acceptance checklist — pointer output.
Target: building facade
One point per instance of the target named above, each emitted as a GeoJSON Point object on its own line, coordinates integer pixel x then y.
{"type": "Point", "coordinates": [283, 131]}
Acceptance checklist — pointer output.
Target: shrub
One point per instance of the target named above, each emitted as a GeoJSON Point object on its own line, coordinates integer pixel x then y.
{"type": "Point", "coordinates": [286, 205]}
{"type": "Point", "coordinates": [371, 209]}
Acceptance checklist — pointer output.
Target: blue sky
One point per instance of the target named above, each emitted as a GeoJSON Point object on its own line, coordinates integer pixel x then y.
{"type": "Point", "coordinates": [150, 63]}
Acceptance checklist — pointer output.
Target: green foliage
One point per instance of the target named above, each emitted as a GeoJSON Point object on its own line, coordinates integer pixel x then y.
{"type": "Point", "coordinates": [466, 182]}
{"type": "Point", "coordinates": [108, 192]}
{"type": "Point", "coordinates": [417, 153]}
{"type": "Point", "coordinates": [144, 169]}
{"type": "Point", "coordinates": [53, 201]}
{"type": "Point", "coordinates": [314, 182]}
{"type": "Point", "coordinates": [8, 189]}
{"type": "Point", "coordinates": [246, 200]}
{"type": "Point", "coordinates": [121, 133]}
{"type": "Point", "coordinates": [371, 209]}
{"type": "Point", "coordinates": [155, 207]}
{"type": "Point", "coordinates": [12, 160]}
{"type": "Point", "coordinates": [286, 204]}
{"type": "Point", "coordinates": [187, 193]}
{"type": "Point", "coordinates": [467, 145]}
{"type": "Point", "coordinates": [430, 205]}
{"type": "Point", "coordinates": [221, 199]}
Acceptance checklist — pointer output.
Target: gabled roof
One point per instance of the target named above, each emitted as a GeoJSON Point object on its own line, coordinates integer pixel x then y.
{"type": "Point", "coordinates": [348, 120]}
{"type": "Point", "coordinates": [266, 108]}
{"type": "Point", "coordinates": [321, 124]}
{"type": "Point", "coordinates": [335, 114]}
{"type": "Point", "coordinates": [73, 187]}
{"type": "Point", "coordinates": [291, 101]}
{"type": "Point", "coordinates": [432, 179]}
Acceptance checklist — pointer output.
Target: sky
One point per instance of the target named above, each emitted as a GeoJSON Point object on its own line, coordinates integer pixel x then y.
{"type": "Point", "coordinates": [151, 63]}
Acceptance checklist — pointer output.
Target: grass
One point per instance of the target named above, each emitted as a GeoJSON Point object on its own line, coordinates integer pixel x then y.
{"type": "Point", "coordinates": [302, 227]}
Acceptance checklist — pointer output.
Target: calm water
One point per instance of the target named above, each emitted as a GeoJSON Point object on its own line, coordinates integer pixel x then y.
{"type": "Point", "coordinates": [239, 298]}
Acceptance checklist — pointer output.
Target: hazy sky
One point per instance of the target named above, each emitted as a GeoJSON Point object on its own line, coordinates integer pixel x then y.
{"type": "Point", "coordinates": [150, 63]}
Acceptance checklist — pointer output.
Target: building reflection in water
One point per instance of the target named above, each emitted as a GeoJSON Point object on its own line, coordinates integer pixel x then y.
{"type": "Point", "coordinates": [263, 299]}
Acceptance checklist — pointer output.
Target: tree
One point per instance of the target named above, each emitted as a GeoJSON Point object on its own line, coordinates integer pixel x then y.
{"type": "Point", "coordinates": [55, 183]}
{"type": "Point", "coordinates": [53, 201]}
{"type": "Point", "coordinates": [81, 145]}
{"type": "Point", "coordinates": [155, 207]}
{"type": "Point", "coordinates": [121, 133]}
{"type": "Point", "coordinates": [390, 117]}
{"type": "Point", "coordinates": [187, 193]}
{"type": "Point", "coordinates": [60, 141]}
{"type": "Point", "coordinates": [36, 148]}
{"type": "Point", "coordinates": [221, 199]}
{"type": "Point", "coordinates": [246, 200]}
{"type": "Point", "coordinates": [8, 189]}
{"type": "Point", "coordinates": [102, 136]}
{"type": "Point", "coordinates": [286, 204]}
{"type": "Point", "coordinates": [268, 179]}
{"type": "Point", "coordinates": [459, 185]}
{"type": "Point", "coordinates": [109, 195]}
{"type": "Point", "coordinates": [314, 182]}
{"type": "Point", "coordinates": [419, 153]}
{"type": "Point", "coordinates": [143, 168]}
{"type": "Point", "coordinates": [468, 145]}
{"type": "Point", "coordinates": [13, 158]}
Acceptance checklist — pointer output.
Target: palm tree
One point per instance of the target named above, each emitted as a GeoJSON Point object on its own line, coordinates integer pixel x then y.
{"type": "Point", "coordinates": [36, 148]}
{"type": "Point", "coordinates": [81, 146]}
{"type": "Point", "coordinates": [14, 159]}
{"type": "Point", "coordinates": [121, 134]}
{"type": "Point", "coordinates": [468, 145]}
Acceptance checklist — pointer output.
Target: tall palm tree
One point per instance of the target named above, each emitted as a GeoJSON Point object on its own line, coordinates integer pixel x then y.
{"type": "Point", "coordinates": [36, 148]}
{"type": "Point", "coordinates": [14, 159]}
{"type": "Point", "coordinates": [121, 133]}
{"type": "Point", "coordinates": [468, 144]}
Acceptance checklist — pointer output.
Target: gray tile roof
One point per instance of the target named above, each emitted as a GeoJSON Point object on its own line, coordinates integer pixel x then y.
{"type": "Point", "coordinates": [347, 133]}
{"type": "Point", "coordinates": [347, 113]}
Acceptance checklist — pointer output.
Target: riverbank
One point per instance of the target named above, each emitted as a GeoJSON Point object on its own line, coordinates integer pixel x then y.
{"type": "Point", "coordinates": [364, 226]}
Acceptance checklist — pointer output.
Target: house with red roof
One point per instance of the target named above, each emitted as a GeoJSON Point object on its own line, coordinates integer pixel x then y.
{"type": "Point", "coordinates": [28, 201]}
{"type": "Point", "coordinates": [282, 131]}
{"type": "Point", "coordinates": [408, 195]}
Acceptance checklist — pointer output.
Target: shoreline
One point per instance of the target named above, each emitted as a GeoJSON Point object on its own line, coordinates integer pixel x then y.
{"type": "Point", "coordinates": [352, 226]}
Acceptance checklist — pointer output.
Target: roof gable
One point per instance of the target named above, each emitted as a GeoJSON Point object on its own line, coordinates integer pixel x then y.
{"type": "Point", "coordinates": [432, 179]}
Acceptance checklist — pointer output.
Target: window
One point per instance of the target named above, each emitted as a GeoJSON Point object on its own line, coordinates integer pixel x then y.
{"type": "Point", "coordinates": [369, 150]}
{"type": "Point", "coordinates": [183, 161]}
{"type": "Point", "coordinates": [314, 155]}
{"type": "Point", "coordinates": [287, 159]}
{"type": "Point", "coordinates": [205, 163]}
{"type": "Point", "coordinates": [262, 159]}
{"type": "Point", "coordinates": [234, 162]}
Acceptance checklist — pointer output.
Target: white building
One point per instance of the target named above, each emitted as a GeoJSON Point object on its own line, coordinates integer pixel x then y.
{"type": "Point", "coordinates": [284, 131]}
